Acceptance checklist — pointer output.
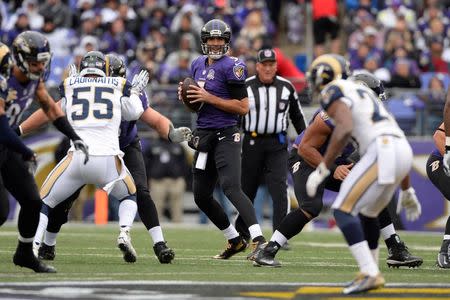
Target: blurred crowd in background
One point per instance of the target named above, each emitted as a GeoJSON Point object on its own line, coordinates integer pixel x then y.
{"type": "Point", "coordinates": [403, 42]}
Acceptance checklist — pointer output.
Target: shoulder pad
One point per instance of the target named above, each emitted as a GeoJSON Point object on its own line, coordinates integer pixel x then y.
{"type": "Point", "coordinates": [329, 94]}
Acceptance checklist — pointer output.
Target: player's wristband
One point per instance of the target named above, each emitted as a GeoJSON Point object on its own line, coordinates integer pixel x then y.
{"type": "Point", "coordinates": [447, 143]}
{"type": "Point", "coordinates": [63, 125]}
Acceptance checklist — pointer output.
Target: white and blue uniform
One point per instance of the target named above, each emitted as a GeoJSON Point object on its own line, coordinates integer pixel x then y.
{"type": "Point", "coordinates": [95, 108]}
{"type": "Point", "coordinates": [386, 156]}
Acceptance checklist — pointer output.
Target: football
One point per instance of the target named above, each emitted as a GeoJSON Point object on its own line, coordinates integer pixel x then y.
{"type": "Point", "coordinates": [194, 107]}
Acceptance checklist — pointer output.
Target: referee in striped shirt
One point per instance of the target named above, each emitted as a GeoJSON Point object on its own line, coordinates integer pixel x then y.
{"type": "Point", "coordinates": [264, 150]}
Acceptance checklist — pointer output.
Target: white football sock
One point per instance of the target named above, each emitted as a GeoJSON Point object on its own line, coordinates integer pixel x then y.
{"type": "Point", "coordinates": [156, 234]}
{"type": "Point", "coordinates": [50, 238]}
{"type": "Point", "coordinates": [255, 230]}
{"type": "Point", "coordinates": [127, 213]}
{"type": "Point", "coordinates": [279, 238]}
{"type": "Point", "coordinates": [363, 256]}
{"type": "Point", "coordinates": [43, 221]}
{"type": "Point", "coordinates": [25, 240]}
{"type": "Point", "coordinates": [375, 254]}
{"type": "Point", "coordinates": [387, 231]}
{"type": "Point", "coordinates": [230, 232]}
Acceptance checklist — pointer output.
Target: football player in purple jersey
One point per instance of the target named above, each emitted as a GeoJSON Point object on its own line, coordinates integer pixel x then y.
{"type": "Point", "coordinates": [217, 139]}
{"type": "Point", "coordinates": [10, 141]}
{"type": "Point", "coordinates": [32, 57]}
{"type": "Point", "coordinates": [130, 144]}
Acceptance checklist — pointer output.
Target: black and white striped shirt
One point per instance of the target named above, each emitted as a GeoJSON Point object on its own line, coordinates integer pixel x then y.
{"type": "Point", "coordinates": [269, 105]}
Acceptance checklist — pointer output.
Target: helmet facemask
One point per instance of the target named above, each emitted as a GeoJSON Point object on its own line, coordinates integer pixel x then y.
{"type": "Point", "coordinates": [215, 29]}
{"type": "Point", "coordinates": [30, 47]}
{"type": "Point", "coordinates": [44, 57]}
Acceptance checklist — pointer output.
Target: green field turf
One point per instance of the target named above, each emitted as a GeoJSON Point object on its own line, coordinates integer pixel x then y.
{"type": "Point", "coordinates": [89, 253]}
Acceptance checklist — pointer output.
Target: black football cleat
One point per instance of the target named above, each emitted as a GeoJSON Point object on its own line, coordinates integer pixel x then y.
{"type": "Point", "coordinates": [399, 256]}
{"type": "Point", "coordinates": [232, 249]}
{"type": "Point", "coordinates": [443, 259]}
{"type": "Point", "coordinates": [266, 257]}
{"type": "Point", "coordinates": [46, 252]}
{"type": "Point", "coordinates": [256, 247]}
{"type": "Point", "coordinates": [24, 257]}
{"type": "Point", "coordinates": [165, 254]}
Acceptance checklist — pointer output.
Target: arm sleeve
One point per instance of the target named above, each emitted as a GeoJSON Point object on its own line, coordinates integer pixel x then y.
{"type": "Point", "coordinates": [132, 108]}
{"type": "Point", "coordinates": [237, 90]}
{"type": "Point", "coordinates": [296, 112]}
{"type": "Point", "coordinates": [9, 138]}
{"type": "Point", "coordinates": [235, 76]}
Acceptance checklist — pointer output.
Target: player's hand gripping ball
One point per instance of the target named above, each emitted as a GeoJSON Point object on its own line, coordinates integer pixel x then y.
{"type": "Point", "coordinates": [194, 107]}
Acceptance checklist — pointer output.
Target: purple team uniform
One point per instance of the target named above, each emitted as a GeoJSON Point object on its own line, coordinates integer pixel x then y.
{"type": "Point", "coordinates": [216, 76]}
{"type": "Point", "coordinates": [19, 98]}
{"type": "Point", "coordinates": [128, 129]}
{"type": "Point", "coordinates": [346, 152]}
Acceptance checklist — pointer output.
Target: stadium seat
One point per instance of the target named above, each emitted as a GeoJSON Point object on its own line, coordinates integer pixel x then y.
{"type": "Point", "coordinates": [426, 77]}
{"type": "Point", "coordinates": [403, 113]}
{"type": "Point", "coordinates": [59, 63]}
{"type": "Point", "coordinates": [301, 61]}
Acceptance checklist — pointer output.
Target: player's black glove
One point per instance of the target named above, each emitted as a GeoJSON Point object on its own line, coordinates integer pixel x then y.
{"type": "Point", "coordinates": [81, 145]}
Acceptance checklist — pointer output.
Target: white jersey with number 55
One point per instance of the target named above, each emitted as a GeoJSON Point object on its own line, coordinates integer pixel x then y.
{"type": "Point", "coordinates": [95, 107]}
{"type": "Point", "coordinates": [370, 117]}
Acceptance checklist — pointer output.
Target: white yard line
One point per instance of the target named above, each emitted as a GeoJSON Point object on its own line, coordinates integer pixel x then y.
{"type": "Point", "coordinates": [200, 283]}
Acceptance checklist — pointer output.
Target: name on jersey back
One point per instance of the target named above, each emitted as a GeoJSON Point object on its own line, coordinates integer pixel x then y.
{"type": "Point", "coordinates": [104, 80]}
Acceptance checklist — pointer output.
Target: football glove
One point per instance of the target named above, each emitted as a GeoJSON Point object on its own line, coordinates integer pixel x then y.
{"type": "Point", "coordinates": [139, 82]}
{"type": "Point", "coordinates": [316, 178]}
{"type": "Point", "coordinates": [180, 134]}
{"type": "Point", "coordinates": [407, 199]}
{"type": "Point", "coordinates": [73, 72]}
{"type": "Point", "coordinates": [81, 145]}
{"type": "Point", "coordinates": [446, 161]}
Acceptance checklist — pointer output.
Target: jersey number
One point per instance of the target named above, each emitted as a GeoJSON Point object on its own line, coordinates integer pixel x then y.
{"type": "Point", "coordinates": [376, 116]}
{"type": "Point", "coordinates": [98, 98]}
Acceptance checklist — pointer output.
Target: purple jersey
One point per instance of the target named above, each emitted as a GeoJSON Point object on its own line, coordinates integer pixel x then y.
{"type": "Point", "coordinates": [348, 150]}
{"type": "Point", "coordinates": [214, 79]}
{"type": "Point", "coordinates": [128, 129]}
{"type": "Point", "coordinates": [20, 96]}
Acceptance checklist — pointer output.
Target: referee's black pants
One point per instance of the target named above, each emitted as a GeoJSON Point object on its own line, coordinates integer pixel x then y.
{"type": "Point", "coordinates": [265, 156]}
